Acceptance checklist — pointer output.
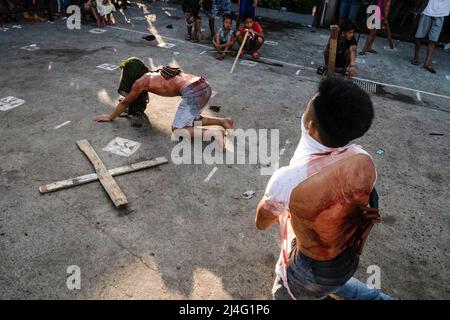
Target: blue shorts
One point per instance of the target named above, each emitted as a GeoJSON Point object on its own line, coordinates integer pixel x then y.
{"type": "Point", "coordinates": [349, 9]}
{"type": "Point", "coordinates": [193, 99]}
{"type": "Point", "coordinates": [246, 6]}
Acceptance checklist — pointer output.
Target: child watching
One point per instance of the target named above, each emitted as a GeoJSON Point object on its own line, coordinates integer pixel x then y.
{"type": "Point", "coordinates": [223, 40]}
{"type": "Point", "coordinates": [191, 14]}
{"type": "Point", "coordinates": [255, 38]}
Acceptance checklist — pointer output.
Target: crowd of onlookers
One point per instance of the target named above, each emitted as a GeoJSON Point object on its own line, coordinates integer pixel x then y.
{"type": "Point", "coordinates": [248, 33]}
{"type": "Point", "coordinates": [42, 10]}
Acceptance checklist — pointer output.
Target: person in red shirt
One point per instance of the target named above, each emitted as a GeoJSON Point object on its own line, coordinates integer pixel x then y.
{"type": "Point", "coordinates": [255, 38]}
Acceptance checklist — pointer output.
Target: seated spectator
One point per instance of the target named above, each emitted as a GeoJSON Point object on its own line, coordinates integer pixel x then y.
{"type": "Point", "coordinates": [89, 7]}
{"type": "Point", "coordinates": [255, 38]}
{"type": "Point", "coordinates": [345, 51]}
{"type": "Point", "coordinates": [223, 40]}
{"type": "Point", "coordinates": [105, 9]}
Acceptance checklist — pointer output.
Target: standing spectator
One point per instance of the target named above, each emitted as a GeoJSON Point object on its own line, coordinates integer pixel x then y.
{"type": "Point", "coordinates": [191, 15]}
{"type": "Point", "coordinates": [206, 7]}
{"type": "Point", "coordinates": [348, 10]}
{"type": "Point", "coordinates": [430, 26]}
{"type": "Point", "coordinates": [246, 6]}
{"type": "Point", "coordinates": [384, 12]}
{"type": "Point", "coordinates": [221, 7]}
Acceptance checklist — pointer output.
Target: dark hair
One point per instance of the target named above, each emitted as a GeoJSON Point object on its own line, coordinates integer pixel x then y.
{"type": "Point", "coordinates": [248, 15]}
{"type": "Point", "coordinates": [342, 112]}
{"type": "Point", "coordinates": [347, 26]}
{"type": "Point", "coordinates": [227, 16]}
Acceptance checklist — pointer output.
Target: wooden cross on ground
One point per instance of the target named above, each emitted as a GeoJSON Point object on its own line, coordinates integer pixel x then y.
{"type": "Point", "coordinates": [103, 174]}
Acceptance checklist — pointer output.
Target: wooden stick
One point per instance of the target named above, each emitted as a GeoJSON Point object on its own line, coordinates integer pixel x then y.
{"type": "Point", "coordinates": [332, 52]}
{"type": "Point", "coordinates": [239, 52]}
{"type": "Point", "coordinates": [109, 184]}
{"type": "Point", "coordinates": [64, 184]}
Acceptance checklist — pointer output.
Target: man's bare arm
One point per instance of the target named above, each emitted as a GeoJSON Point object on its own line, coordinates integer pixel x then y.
{"type": "Point", "coordinates": [264, 218]}
{"type": "Point", "coordinates": [136, 90]}
{"type": "Point", "coordinates": [351, 69]}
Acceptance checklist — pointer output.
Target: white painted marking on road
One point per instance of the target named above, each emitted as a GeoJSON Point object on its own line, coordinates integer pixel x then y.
{"type": "Point", "coordinates": [139, 18]}
{"type": "Point", "coordinates": [107, 66]}
{"type": "Point", "coordinates": [122, 147]}
{"type": "Point", "coordinates": [248, 63]}
{"type": "Point", "coordinates": [298, 72]}
{"type": "Point", "coordinates": [418, 96]}
{"type": "Point", "coordinates": [166, 45]}
{"type": "Point", "coordinates": [169, 8]}
{"type": "Point", "coordinates": [202, 53]}
{"type": "Point", "coordinates": [359, 60]}
{"type": "Point", "coordinates": [31, 47]}
{"type": "Point", "coordinates": [271, 43]}
{"type": "Point", "coordinates": [210, 174]}
{"type": "Point", "coordinates": [97, 31]}
{"type": "Point", "coordinates": [213, 93]}
{"type": "Point", "coordinates": [447, 77]}
{"type": "Point", "coordinates": [10, 102]}
{"type": "Point", "coordinates": [61, 125]}
{"type": "Point", "coordinates": [17, 26]}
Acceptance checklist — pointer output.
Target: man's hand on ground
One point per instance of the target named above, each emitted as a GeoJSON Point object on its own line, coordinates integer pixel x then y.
{"type": "Point", "coordinates": [334, 27]}
{"type": "Point", "coordinates": [103, 118]}
{"type": "Point", "coordinates": [351, 71]}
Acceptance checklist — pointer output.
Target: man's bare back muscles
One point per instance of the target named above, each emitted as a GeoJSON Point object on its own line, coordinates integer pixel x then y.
{"type": "Point", "coordinates": [155, 83]}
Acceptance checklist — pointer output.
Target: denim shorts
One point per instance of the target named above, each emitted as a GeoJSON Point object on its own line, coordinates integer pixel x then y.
{"type": "Point", "coordinates": [193, 99]}
{"type": "Point", "coordinates": [430, 26]}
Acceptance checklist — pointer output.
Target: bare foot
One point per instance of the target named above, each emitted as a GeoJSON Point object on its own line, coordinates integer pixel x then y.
{"type": "Point", "coordinates": [228, 123]}
{"type": "Point", "coordinates": [415, 62]}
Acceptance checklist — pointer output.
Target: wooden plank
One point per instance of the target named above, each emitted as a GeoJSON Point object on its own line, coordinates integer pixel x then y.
{"type": "Point", "coordinates": [239, 52]}
{"type": "Point", "coordinates": [109, 184]}
{"type": "Point", "coordinates": [332, 52]}
{"type": "Point", "coordinates": [68, 183]}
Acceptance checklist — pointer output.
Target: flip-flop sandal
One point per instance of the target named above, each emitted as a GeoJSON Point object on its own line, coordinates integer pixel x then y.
{"type": "Point", "coordinates": [372, 51]}
{"type": "Point", "coordinates": [430, 69]}
{"type": "Point", "coordinates": [414, 62]}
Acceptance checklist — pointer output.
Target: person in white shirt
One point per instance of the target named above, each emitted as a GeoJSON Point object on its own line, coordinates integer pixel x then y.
{"type": "Point", "coordinates": [430, 26]}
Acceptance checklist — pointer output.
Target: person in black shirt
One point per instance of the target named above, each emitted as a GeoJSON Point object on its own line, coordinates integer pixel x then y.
{"type": "Point", "coordinates": [345, 51]}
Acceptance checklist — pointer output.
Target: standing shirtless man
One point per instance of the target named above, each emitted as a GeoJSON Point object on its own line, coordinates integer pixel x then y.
{"type": "Point", "coordinates": [137, 81]}
{"type": "Point", "coordinates": [324, 200]}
